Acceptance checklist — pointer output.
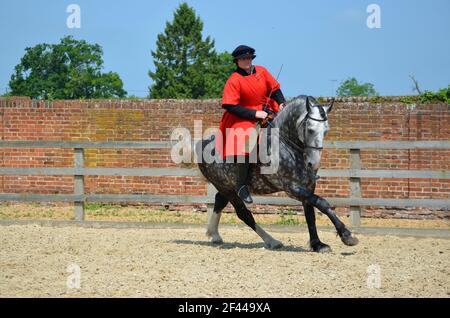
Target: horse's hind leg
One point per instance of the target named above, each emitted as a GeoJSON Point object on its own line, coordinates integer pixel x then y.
{"type": "Point", "coordinates": [246, 216]}
{"type": "Point", "coordinates": [314, 241]}
{"type": "Point", "coordinates": [213, 222]}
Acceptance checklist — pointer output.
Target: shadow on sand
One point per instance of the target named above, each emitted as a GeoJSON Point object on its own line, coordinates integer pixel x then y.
{"type": "Point", "coordinates": [250, 246]}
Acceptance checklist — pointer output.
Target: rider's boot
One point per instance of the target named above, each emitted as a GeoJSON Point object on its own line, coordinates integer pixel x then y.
{"type": "Point", "coordinates": [241, 186]}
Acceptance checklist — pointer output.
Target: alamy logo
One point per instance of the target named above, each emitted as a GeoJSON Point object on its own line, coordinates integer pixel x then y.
{"type": "Point", "coordinates": [373, 277]}
{"type": "Point", "coordinates": [74, 19]}
{"type": "Point", "coordinates": [187, 150]}
{"type": "Point", "coordinates": [374, 19]}
{"type": "Point", "coordinates": [74, 279]}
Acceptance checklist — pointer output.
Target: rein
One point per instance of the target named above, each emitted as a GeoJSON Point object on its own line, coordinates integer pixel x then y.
{"type": "Point", "coordinates": [303, 122]}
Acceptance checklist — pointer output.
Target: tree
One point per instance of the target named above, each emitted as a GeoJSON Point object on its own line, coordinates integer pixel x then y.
{"type": "Point", "coordinates": [68, 70]}
{"type": "Point", "coordinates": [186, 66]}
{"type": "Point", "coordinates": [351, 87]}
{"type": "Point", "coordinates": [217, 73]}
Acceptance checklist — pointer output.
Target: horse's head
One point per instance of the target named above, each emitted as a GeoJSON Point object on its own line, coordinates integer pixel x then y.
{"type": "Point", "coordinates": [311, 130]}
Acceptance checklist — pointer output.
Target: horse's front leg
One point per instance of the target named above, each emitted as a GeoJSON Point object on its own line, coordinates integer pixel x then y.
{"type": "Point", "coordinates": [324, 207]}
{"type": "Point", "coordinates": [314, 241]}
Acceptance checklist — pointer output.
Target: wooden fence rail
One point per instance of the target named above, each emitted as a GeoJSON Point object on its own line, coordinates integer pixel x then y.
{"type": "Point", "coordinates": [355, 173]}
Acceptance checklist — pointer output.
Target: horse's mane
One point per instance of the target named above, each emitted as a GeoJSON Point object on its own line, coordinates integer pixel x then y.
{"type": "Point", "coordinates": [296, 102]}
{"type": "Point", "coordinates": [301, 99]}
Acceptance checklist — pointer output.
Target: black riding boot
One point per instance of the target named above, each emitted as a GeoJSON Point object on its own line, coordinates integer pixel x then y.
{"type": "Point", "coordinates": [241, 184]}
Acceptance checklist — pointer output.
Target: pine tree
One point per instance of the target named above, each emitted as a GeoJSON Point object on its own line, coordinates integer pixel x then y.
{"type": "Point", "coordinates": [186, 65]}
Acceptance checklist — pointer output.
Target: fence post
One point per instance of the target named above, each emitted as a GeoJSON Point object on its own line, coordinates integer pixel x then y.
{"type": "Point", "coordinates": [79, 184]}
{"type": "Point", "coordinates": [355, 187]}
{"type": "Point", "coordinates": [211, 194]}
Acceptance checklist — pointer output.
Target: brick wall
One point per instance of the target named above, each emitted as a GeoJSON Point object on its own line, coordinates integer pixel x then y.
{"type": "Point", "coordinates": [153, 120]}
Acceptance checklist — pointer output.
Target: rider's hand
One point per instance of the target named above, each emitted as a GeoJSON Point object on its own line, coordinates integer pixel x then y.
{"type": "Point", "coordinates": [260, 114]}
{"type": "Point", "coordinates": [281, 106]}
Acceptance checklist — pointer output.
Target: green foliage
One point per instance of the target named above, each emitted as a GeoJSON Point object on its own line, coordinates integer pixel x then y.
{"type": "Point", "coordinates": [351, 87]}
{"type": "Point", "coordinates": [288, 217]}
{"type": "Point", "coordinates": [442, 95]}
{"type": "Point", "coordinates": [68, 70]}
{"type": "Point", "coordinates": [93, 206]}
{"type": "Point", "coordinates": [216, 74]}
{"type": "Point", "coordinates": [410, 99]}
{"type": "Point", "coordinates": [186, 66]}
{"type": "Point", "coordinates": [377, 99]}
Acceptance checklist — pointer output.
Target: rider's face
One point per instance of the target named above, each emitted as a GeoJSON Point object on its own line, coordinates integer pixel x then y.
{"type": "Point", "coordinates": [245, 63]}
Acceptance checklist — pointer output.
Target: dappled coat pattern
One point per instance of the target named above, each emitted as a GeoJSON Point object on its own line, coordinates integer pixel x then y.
{"type": "Point", "coordinates": [302, 126]}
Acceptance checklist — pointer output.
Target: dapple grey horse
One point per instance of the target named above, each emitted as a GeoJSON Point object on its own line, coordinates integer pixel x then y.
{"type": "Point", "coordinates": [302, 126]}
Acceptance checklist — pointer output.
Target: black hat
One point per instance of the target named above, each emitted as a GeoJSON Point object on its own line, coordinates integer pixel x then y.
{"type": "Point", "coordinates": [243, 51]}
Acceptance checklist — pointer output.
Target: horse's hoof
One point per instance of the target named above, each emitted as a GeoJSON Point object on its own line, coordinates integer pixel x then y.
{"type": "Point", "coordinates": [216, 240]}
{"type": "Point", "coordinates": [321, 248]}
{"type": "Point", "coordinates": [215, 237]}
{"type": "Point", "coordinates": [274, 245]}
{"type": "Point", "coordinates": [348, 239]}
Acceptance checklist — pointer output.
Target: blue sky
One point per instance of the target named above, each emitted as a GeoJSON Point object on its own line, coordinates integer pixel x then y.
{"type": "Point", "coordinates": [320, 42]}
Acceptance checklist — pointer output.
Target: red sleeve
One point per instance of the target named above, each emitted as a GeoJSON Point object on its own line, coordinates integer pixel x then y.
{"type": "Point", "coordinates": [231, 92]}
{"type": "Point", "coordinates": [271, 83]}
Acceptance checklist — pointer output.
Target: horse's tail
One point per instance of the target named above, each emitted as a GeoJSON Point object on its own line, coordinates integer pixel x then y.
{"type": "Point", "coordinates": [198, 148]}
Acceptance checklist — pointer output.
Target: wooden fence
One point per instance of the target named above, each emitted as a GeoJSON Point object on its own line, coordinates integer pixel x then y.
{"type": "Point", "coordinates": [355, 173]}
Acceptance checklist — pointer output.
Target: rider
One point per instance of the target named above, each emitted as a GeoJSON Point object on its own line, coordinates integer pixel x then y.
{"type": "Point", "coordinates": [246, 92]}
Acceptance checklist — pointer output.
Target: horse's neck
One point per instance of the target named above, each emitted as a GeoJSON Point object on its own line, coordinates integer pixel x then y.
{"type": "Point", "coordinates": [287, 119]}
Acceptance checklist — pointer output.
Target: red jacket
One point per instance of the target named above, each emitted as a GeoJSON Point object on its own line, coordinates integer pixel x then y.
{"type": "Point", "coordinates": [250, 91]}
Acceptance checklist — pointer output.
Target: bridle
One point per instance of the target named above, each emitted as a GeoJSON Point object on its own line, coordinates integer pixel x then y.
{"type": "Point", "coordinates": [323, 119]}
{"type": "Point", "coordinates": [303, 122]}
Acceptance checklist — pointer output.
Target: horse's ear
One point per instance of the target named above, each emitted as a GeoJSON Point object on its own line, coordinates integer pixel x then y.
{"type": "Point", "coordinates": [308, 106]}
{"type": "Point", "coordinates": [330, 107]}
